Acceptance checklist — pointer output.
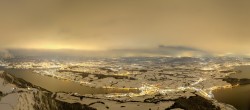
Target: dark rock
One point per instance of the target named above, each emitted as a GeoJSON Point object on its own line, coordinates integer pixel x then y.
{"type": "Point", "coordinates": [227, 71]}
{"type": "Point", "coordinates": [1, 93]}
{"type": "Point", "coordinates": [235, 81]}
{"type": "Point", "coordinates": [154, 100]}
{"type": "Point", "coordinates": [193, 103]}
{"type": "Point", "coordinates": [97, 102]}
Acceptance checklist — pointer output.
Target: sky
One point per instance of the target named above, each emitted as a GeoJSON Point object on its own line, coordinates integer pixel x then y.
{"type": "Point", "coordinates": [214, 26]}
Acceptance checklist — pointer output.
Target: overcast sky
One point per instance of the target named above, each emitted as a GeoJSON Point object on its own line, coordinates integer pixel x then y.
{"type": "Point", "coordinates": [217, 26]}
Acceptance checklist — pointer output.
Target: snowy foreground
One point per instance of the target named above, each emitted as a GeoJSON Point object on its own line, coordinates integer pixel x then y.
{"type": "Point", "coordinates": [163, 84]}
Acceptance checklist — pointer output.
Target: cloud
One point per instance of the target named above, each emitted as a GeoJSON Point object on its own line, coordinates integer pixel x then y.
{"type": "Point", "coordinates": [161, 50]}
{"type": "Point", "coordinates": [218, 26]}
{"type": "Point", "coordinates": [179, 48]}
{"type": "Point", "coordinates": [182, 51]}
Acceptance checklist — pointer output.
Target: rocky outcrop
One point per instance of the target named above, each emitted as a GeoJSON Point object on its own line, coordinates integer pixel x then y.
{"type": "Point", "coordinates": [194, 103]}
{"type": "Point", "coordinates": [31, 97]}
{"type": "Point", "coordinates": [44, 101]}
{"type": "Point", "coordinates": [236, 81]}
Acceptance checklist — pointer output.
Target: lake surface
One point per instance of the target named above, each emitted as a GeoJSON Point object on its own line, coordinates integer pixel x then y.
{"type": "Point", "coordinates": [238, 96]}
{"type": "Point", "coordinates": [56, 85]}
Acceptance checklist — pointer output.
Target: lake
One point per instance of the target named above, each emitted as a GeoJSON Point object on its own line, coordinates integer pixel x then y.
{"type": "Point", "coordinates": [238, 96]}
{"type": "Point", "coordinates": [57, 85]}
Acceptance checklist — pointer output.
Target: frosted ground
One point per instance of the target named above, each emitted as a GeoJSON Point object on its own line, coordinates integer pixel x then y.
{"type": "Point", "coordinates": [163, 83]}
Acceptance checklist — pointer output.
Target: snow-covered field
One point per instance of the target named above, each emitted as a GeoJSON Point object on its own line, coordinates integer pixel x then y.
{"type": "Point", "coordinates": [163, 83]}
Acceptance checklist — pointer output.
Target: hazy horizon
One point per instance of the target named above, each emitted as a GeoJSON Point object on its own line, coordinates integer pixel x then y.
{"type": "Point", "coordinates": [160, 51]}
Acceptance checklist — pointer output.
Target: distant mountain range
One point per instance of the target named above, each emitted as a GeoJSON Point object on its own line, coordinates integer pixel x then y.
{"type": "Point", "coordinates": [161, 50]}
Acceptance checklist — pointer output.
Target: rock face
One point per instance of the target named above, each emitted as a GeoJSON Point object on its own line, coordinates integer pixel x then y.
{"type": "Point", "coordinates": [44, 101]}
{"type": "Point", "coordinates": [30, 97]}
{"type": "Point", "coordinates": [235, 81]}
{"type": "Point", "coordinates": [193, 103]}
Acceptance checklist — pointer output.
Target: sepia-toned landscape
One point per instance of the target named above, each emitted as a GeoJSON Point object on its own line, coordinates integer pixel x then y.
{"type": "Point", "coordinates": [124, 55]}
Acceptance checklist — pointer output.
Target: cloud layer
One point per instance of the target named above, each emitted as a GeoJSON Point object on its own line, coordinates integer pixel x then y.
{"type": "Point", "coordinates": [165, 51]}
{"type": "Point", "coordinates": [217, 26]}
